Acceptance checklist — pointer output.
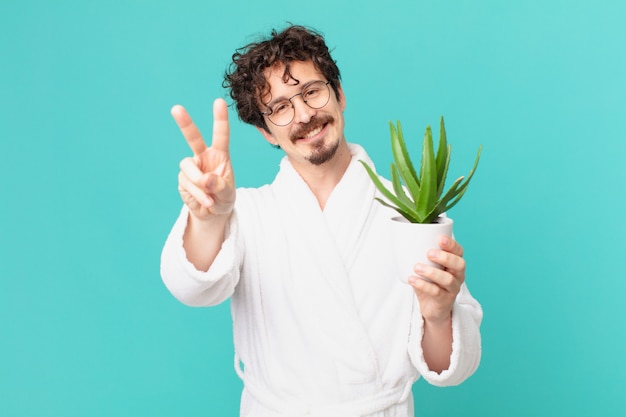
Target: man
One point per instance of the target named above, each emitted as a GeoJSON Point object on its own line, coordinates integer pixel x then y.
{"type": "Point", "coordinates": [322, 327]}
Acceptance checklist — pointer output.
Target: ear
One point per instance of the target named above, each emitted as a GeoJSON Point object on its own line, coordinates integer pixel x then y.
{"type": "Point", "coordinates": [342, 98]}
{"type": "Point", "coordinates": [268, 136]}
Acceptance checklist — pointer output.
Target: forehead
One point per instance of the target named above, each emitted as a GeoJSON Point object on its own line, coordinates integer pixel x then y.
{"type": "Point", "coordinates": [281, 84]}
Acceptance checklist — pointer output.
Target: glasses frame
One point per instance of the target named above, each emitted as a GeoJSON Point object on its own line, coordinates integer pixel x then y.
{"type": "Point", "coordinates": [269, 112]}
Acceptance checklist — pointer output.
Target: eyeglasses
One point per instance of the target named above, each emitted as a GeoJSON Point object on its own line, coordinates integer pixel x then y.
{"type": "Point", "coordinates": [315, 95]}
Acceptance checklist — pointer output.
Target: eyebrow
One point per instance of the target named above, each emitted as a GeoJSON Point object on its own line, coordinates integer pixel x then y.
{"type": "Point", "coordinates": [276, 100]}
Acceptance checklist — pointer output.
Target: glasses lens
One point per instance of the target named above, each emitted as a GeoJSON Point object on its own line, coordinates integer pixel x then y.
{"type": "Point", "coordinates": [282, 113]}
{"type": "Point", "coordinates": [316, 95]}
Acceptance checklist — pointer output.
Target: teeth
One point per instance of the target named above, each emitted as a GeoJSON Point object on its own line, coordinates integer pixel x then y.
{"type": "Point", "coordinates": [313, 132]}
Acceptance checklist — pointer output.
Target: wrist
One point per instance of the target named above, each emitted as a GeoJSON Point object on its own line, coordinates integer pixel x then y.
{"type": "Point", "coordinates": [444, 322]}
{"type": "Point", "coordinates": [208, 222]}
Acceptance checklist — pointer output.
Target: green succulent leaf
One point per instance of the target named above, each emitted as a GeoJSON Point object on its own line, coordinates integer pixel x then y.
{"type": "Point", "coordinates": [409, 215]}
{"type": "Point", "coordinates": [399, 204]}
{"type": "Point", "coordinates": [443, 157]}
{"type": "Point", "coordinates": [428, 176]}
{"type": "Point", "coordinates": [463, 187]}
{"type": "Point", "coordinates": [442, 172]}
{"type": "Point", "coordinates": [397, 186]}
{"type": "Point", "coordinates": [441, 205]}
{"type": "Point", "coordinates": [403, 161]}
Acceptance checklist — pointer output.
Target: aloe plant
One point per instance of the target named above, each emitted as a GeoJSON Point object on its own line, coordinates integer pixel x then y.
{"type": "Point", "coordinates": [420, 198]}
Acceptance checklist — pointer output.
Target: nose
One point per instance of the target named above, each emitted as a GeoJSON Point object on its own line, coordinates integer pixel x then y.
{"type": "Point", "coordinates": [302, 112]}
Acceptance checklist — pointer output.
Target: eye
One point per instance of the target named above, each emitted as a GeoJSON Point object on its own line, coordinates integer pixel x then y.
{"type": "Point", "coordinates": [311, 92]}
{"type": "Point", "coordinates": [281, 107]}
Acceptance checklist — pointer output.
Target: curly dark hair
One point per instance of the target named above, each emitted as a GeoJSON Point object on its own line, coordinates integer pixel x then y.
{"type": "Point", "coordinates": [246, 74]}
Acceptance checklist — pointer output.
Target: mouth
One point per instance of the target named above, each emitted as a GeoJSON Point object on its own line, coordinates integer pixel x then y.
{"type": "Point", "coordinates": [313, 131]}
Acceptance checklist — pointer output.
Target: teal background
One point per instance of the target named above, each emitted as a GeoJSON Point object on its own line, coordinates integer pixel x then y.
{"type": "Point", "coordinates": [89, 158]}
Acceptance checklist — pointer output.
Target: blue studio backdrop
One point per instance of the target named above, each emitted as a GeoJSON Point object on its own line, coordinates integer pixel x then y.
{"type": "Point", "coordinates": [89, 158]}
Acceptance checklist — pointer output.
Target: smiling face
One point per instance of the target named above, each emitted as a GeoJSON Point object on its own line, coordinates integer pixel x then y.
{"type": "Point", "coordinates": [315, 136]}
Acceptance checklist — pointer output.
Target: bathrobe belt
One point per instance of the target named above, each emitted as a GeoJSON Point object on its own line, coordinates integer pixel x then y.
{"type": "Point", "coordinates": [358, 408]}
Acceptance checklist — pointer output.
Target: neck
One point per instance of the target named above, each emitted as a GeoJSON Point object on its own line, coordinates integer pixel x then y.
{"type": "Point", "coordinates": [323, 178]}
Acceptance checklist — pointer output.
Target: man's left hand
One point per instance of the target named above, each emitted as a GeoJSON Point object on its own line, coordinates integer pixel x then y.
{"type": "Point", "coordinates": [436, 288]}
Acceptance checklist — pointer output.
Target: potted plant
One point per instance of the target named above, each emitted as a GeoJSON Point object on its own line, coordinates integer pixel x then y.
{"type": "Point", "coordinates": [419, 197]}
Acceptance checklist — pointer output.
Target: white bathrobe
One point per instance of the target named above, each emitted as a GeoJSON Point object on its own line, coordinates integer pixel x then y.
{"type": "Point", "coordinates": [323, 326]}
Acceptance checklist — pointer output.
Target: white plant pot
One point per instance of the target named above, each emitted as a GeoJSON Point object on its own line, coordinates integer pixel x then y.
{"type": "Point", "coordinates": [412, 241]}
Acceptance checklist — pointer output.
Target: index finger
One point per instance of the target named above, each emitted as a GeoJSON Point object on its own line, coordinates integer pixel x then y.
{"type": "Point", "coordinates": [448, 244]}
{"type": "Point", "coordinates": [188, 128]}
{"type": "Point", "coordinates": [221, 127]}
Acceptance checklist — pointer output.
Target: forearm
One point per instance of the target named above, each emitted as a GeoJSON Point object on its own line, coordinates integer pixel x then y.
{"type": "Point", "coordinates": [463, 352]}
{"type": "Point", "coordinates": [203, 240]}
{"type": "Point", "coordinates": [437, 344]}
{"type": "Point", "coordinates": [185, 281]}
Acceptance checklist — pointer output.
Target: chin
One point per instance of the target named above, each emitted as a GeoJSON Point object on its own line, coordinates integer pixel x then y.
{"type": "Point", "coordinates": [323, 153]}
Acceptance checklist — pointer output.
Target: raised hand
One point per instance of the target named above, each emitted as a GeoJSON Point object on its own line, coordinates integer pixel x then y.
{"type": "Point", "coordinates": [206, 182]}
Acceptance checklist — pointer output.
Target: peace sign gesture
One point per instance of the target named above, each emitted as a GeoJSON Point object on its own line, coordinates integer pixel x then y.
{"type": "Point", "coordinates": [206, 182]}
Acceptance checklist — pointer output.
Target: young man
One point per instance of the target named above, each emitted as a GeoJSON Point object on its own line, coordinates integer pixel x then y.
{"type": "Point", "coordinates": [322, 326]}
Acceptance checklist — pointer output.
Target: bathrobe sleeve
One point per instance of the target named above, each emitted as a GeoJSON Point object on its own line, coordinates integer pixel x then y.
{"type": "Point", "coordinates": [466, 342]}
{"type": "Point", "coordinates": [198, 288]}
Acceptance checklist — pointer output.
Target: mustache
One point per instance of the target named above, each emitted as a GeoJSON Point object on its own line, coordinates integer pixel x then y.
{"type": "Point", "coordinates": [315, 123]}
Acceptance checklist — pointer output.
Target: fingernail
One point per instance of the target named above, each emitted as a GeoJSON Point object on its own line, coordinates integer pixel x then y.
{"type": "Point", "coordinates": [445, 241]}
{"type": "Point", "coordinates": [432, 254]}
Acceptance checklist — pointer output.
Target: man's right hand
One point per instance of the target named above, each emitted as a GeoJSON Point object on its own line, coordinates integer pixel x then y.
{"type": "Point", "coordinates": [206, 182]}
